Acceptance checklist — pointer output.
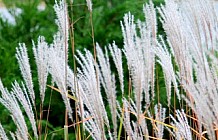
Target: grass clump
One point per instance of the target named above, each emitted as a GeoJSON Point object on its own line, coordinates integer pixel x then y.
{"type": "Point", "coordinates": [114, 92]}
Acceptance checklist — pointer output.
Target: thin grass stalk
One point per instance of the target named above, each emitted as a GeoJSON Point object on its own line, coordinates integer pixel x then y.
{"type": "Point", "coordinates": [66, 130]}
{"type": "Point", "coordinates": [72, 40]}
{"type": "Point", "coordinates": [121, 124]}
{"type": "Point", "coordinates": [47, 117]}
{"type": "Point", "coordinates": [93, 37]}
{"type": "Point", "coordinates": [40, 121]}
{"type": "Point", "coordinates": [170, 135]}
{"type": "Point", "coordinates": [95, 62]}
{"type": "Point", "coordinates": [89, 4]}
{"type": "Point", "coordinates": [158, 89]}
{"type": "Point", "coordinates": [129, 95]}
{"type": "Point", "coordinates": [66, 65]}
{"type": "Point", "coordinates": [78, 131]}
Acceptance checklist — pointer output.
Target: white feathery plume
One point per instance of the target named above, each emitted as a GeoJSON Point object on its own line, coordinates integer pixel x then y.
{"type": "Point", "coordinates": [75, 88]}
{"type": "Point", "coordinates": [178, 36]}
{"type": "Point", "coordinates": [191, 28]}
{"type": "Point", "coordinates": [204, 23]}
{"type": "Point", "coordinates": [214, 77]}
{"type": "Point", "coordinates": [23, 60]}
{"type": "Point", "coordinates": [139, 54]}
{"type": "Point", "coordinates": [151, 20]}
{"type": "Point", "coordinates": [138, 50]}
{"type": "Point", "coordinates": [107, 79]}
{"type": "Point", "coordinates": [12, 136]}
{"type": "Point", "coordinates": [126, 118]}
{"type": "Point", "coordinates": [18, 135]}
{"type": "Point", "coordinates": [57, 70]}
{"type": "Point", "coordinates": [62, 18]}
{"type": "Point", "coordinates": [148, 33]}
{"type": "Point", "coordinates": [22, 97]}
{"type": "Point", "coordinates": [3, 135]}
{"type": "Point", "coordinates": [203, 98]}
{"type": "Point", "coordinates": [145, 44]}
{"type": "Point", "coordinates": [117, 58]}
{"type": "Point", "coordinates": [134, 58]}
{"type": "Point", "coordinates": [140, 126]}
{"type": "Point", "coordinates": [183, 129]}
{"type": "Point", "coordinates": [61, 38]}
{"type": "Point", "coordinates": [140, 58]}
{"type": "Point", "coordinates": [9, 101]}
{"type": "Point", "coordinates": [89, 5]}
{"type": "Point", "coordinates": [91, 126]}
{"type": "Point", "coordinates": [160, 114]}
{"type": "Point", "coordinates": [134, 129]}
{"type": "Point", "coordinates": [165, 60]}
{"type": "Point", "coordinates": [58, 53]}
{"type": "Point", "coordinates": [89, 90]}
{"type": "Point", "coordinates": [41, 58]}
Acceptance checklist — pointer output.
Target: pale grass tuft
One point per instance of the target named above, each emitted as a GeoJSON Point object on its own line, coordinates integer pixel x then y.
{"type": "Point", "coordinates": [107, 80]}
{"type": "Point", "coordinates": [58, 53]}
{"type": "Point", "coordinates": [9, 100]}
{"type": "Point", "coordinates": [182, 130]}
{"type": "Point", "coordinates": [191, 28]}
{"type": "Point", "coordinates": [117, 58]}
{"type": "Point", "coordinates": [160, 114]}
{"type": "Point", "coordinates": [57, 70]}
{"type": "Point", "coordinates": [23, 60]}
{"type": "Point", "coordinates": [188, 58]}
{"type": "Point", "coordinates": [62, 18]}
{"type": "Point", "coordinates": [165, 60]}
{"type": "Point", "coordinates": [89, 90]}
{"type": "Point", "coordinates": [22, 97]}
{"type": "Point", "coordinates": [12, 136]}
{"type": "Point", "coordinates": [3, 135]}
{"type": "Point", "coordinates": [89, 5]}
{"type": "Point", "coordinates": [41, 58]}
